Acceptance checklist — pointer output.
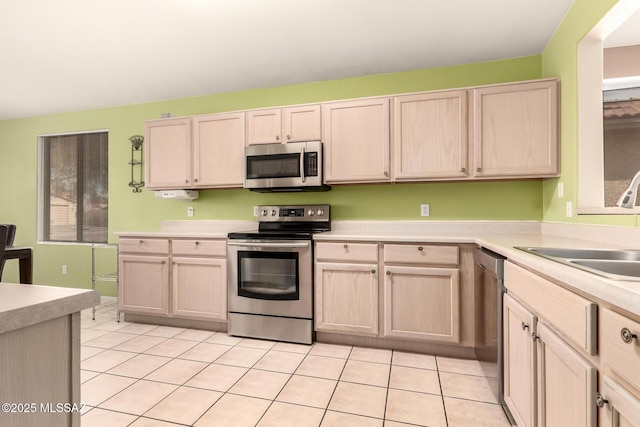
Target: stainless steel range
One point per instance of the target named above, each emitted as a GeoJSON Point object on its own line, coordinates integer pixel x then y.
{"type": "Point", "coordinates": [270, 274]}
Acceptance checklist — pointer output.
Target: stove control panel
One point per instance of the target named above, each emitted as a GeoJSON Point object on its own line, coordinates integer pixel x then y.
{"type": "Point", "coordinates": [294, 213]}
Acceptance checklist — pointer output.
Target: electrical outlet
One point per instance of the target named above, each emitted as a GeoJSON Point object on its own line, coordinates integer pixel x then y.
{"type": "Point", "coordinates": [64, 269]}
{"type": "Point", "coordinates": [190, 211]}
{"type": "Point", "coordinates": [255, 211]}
{"type": "Point", "coordinates": [424, 210]}
{"type": "Point", "coordinates": [569, 210]}
{"type": "Point", "coordinates": [560, 190]}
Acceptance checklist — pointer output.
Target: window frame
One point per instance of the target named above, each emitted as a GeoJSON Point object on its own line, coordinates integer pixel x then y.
{"type": "Point", "coordinates": [44, 194]}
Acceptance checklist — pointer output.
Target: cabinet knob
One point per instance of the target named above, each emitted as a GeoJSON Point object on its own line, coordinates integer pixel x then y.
{"type": "Point", "coordinates": [288, 136]}
{"type": "Point", "coordinates": [478, 169]}
{"type": "Point", "coordinates": [197, 243]}
{"type": "Point", "coordinates": [141, 242]}
{"type": "Point", "coordinates": [277, 137]}
{"type": "Point", "coordinates": [386, 173]}
{"type": "Point", "coordinates": [373, 271]}
{"type": "Point", "coordinates": [627, 336]}
{"type": "Point", "coordinates": [346, 246]}
{"type": "Point", "coordinates": [186, 181]}
{"type": "Point", "coordinates": [524, 326]}
{"type": "Point", "coordinates": [195, 180]}
{"type": "Point", "coordinates": [388, 273]}
{"type": "Point", "coordinates": [463, 170]}
{"type": "Point", "coordinates": [601, 401]}
{"type": "Point", "coordinates": [420, 248]}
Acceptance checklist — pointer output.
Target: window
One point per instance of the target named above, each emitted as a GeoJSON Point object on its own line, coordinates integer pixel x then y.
{"type": "Point", "coordinates": [73, 187]}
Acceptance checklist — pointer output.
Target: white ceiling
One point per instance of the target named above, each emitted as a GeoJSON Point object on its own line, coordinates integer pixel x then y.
{"type": "Point", "coordinates": [70, 55]}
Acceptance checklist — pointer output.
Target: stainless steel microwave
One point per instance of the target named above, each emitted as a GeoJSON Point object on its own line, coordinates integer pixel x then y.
{"type": "Point", "coordinates": [294, 166]}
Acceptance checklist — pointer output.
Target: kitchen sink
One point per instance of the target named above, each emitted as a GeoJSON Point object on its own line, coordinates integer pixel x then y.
{"type": "Point", "coordinates": [617, 264]}
{"type": "Point", "coordinates": [578, 253]}
{"type": "Point", "coordinates": [615, 267]}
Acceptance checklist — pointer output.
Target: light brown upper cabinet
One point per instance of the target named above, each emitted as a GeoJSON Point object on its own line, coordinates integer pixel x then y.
{"type": "Point", "coordinates": [515, 130]}
{"type": "Point", "coordinates": [430, 136]}
{"type": "Point", "coordinates": [356, 140]}
{"type": "Point", "coordinates": [218, 150]}
{"type": "Point", "coordinates": [167, 153]}
{"type": "Point", "coordinates": [280, 125]}
{"type": "Point", "coordinates": [200, 152]}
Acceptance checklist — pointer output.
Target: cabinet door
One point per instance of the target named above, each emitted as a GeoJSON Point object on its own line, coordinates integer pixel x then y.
{"type": "Point", "coordinates": [622, 409]}
{"type": "Point", "coordinates": [199, 288]}
{"type": "Point", "coordinates": [144, 284]}
{"type": "Point", "coordinates": [356, 137]}
{"type": "Point", "coordinates": [430, 136]}
{"type": "Point", "coordinates": [301, 123]}
{"type": "Point", "coordinates": [167, 153]}
{"type": "Point", "coordinates": [519, 362]}
{"type": "Point", "coordinates": [566, 384]}
{"type": "Point", "coordinates": [346, 298]}
{"type": "Point", "coordinates": [264, 126]}
{"type": "Point", "coordinates": [422, 303]}
{"type": "Point", "coordinates": [218, 150]}
{"type": "Point", "coordinates": [515, 130]}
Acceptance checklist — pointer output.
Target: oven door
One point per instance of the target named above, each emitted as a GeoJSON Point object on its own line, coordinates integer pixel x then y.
{"type": "Point", "coordinates": [270, 277]}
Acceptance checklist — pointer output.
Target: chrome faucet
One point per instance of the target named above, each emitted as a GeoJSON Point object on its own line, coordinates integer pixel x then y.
{"type": "Point", "coordinates": [628, 198]}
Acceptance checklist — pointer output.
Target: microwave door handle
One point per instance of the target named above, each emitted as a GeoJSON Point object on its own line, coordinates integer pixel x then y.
{"type": "Point", "coordinates": [302, 177]}
{"type": "Point", "coordinates": [268, 245]}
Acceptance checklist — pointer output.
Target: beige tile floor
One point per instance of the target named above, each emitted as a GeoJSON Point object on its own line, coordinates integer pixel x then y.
{"type": "Point", "coordinates": [145, 375]}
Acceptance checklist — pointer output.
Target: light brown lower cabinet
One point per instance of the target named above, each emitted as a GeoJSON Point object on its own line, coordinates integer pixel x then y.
{"type": "Point", "coordinates": [422, 303]}
{"type": "Point", "coordinates": [547, 383]}
{"type": "Point", "coordinates": [144, 284]}
{"type": "Point", "coordinates": [621, 408]}
{"type": "Point", "coordinates": [189, 280]}
{"type": "Point", "coordinates": [519, 362]}
{"type": "Point", "coordinates": [346, 298]}
{"type": "Point", "coordinates": [199, 288]}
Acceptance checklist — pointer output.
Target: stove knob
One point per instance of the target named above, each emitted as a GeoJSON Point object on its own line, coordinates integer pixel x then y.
{"type": "Point", "coordinates": [264, 212]}
{"type": "Point", "coordinates": [320, 212]}
{"type": "Point", "coordinates": [273, 212]}
{"type": "Point", "coordinates": [311, 212]}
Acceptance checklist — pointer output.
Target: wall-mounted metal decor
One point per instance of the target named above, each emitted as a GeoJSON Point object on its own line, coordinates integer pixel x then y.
{"type": "Point", "coordinates": [136, 162]}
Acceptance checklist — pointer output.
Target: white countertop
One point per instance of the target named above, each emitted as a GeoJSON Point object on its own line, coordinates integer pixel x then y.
{"type": "Point", "coordinates": [25, 305]}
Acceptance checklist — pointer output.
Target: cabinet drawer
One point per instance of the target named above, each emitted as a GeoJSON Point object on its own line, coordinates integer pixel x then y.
{"type": "Point", "coordinates": [359, 252]}
{"type": "Point", "coordinates": [570, 314]}
{"type": "Point", "coordinates": [421, 254]}
{"type": "Point", "coordinates": [623, 357]}
{"type": "Point", "coordinates": [199, 247]}
{"type": "Point", "coordinates": [144, 246]}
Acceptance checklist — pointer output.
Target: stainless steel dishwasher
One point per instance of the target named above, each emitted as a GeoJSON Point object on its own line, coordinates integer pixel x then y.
{"type": "Point", "coordinates": [489, 277]}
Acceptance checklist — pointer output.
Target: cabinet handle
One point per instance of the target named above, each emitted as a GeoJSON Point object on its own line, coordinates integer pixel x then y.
{"type": "Point", "coordinates": [420, 248]}
{"type": "Point", "coordinates": [627, 336]}
{"type": "Point", "coordinates": [463, 170]}
{"type": "Point", "coordinates": [600, 401]}
{"type": "Point", "coordinates": [373, 271]}
{"type": "Point", "coordinates": [524, 326]}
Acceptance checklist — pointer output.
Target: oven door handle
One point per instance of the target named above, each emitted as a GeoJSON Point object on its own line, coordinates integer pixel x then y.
{"type": "Point", "coordinates": [269, 245]}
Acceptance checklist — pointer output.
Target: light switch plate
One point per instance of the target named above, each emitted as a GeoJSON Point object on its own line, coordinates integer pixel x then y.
{"type": "Point", "coordinates": [190, 211]}
{"type": "Point", "coordinates": [424, 210]}
{"type": "Point", "coordinates": [560, 190]}
{"type": "Point", "coordinates": [569, 209]}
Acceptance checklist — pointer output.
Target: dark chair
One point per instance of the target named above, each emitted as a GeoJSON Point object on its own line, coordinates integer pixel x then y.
{"type": "Point", "coordinates": [4, 232]}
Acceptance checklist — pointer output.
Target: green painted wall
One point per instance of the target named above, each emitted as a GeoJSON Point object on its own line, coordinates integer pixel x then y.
{"type": "Point", "coordinates": [559, 59]}
{"type": "Point", "coordinates": [513, 200]}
